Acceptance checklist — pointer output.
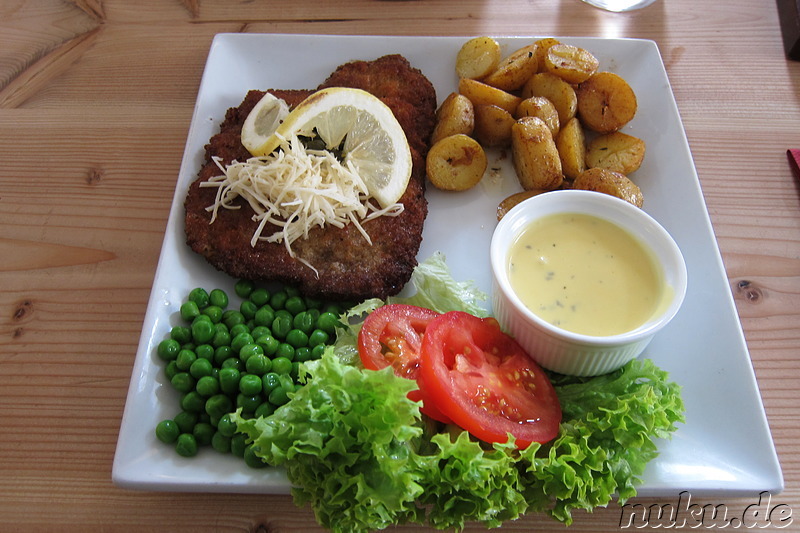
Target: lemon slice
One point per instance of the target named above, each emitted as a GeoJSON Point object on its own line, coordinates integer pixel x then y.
{"type": "Point", "coordinates": [365, 129]}
{"type": "Point", "coordinates": [260, 125]}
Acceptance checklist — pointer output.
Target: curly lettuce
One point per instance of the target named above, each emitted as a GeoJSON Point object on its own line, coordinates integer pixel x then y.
{"type": "Point", "coordinates": [363, 457]}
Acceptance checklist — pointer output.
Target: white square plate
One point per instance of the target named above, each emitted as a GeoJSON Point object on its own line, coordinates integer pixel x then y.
{"type": "Point", "coordinates": [725, 446]}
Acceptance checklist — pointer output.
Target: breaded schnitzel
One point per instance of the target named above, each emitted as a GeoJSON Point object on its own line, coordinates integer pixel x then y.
{"type": "Point", "coordinates": [348, 267]}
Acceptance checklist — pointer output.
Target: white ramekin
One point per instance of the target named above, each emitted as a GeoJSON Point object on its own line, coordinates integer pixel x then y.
{"type": "Point", "coordinates": [564, 351]}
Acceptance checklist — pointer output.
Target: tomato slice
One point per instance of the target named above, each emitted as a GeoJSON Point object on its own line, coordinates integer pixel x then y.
{"type": "Point", "coordinates": [392, 336]}
{"type": "Point", "coordinates": [485, 382]}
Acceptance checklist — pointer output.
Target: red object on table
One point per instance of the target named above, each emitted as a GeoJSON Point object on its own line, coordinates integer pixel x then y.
{"type": "Point", "coordinates": [794, 161]}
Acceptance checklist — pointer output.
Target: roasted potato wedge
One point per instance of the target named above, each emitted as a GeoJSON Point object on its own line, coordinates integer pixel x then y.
{"type": "Point", "coordinates": [536, 160]}
{"type": "Point", "coordinates": [542, 47]}
{"type": "Point", "coordinates": [570, 63]}
{"type": "Point", "coordinates": [508, 203]}
{"type": "Point", "coordinates": [455, 115]}
{"type": "Point", "coordinates": [559, 92]}
{"type": "Point", "coordinates": [609, 182]}
{"type": "Point", "coordinates": [605, 102]}
{"type": "Point", "coordinates": [539, 106]}
{"type": "Point", "coordinates": [493, 125]}
{"type": "Point", "coordinates": [480, 93]}
{"type": "Point", "coordinates": [571, 145]}
{"type": "Point", "coordinates": [616, 151]}
{"type": "Point", "coordinates": [477, 58]}
{"type": "Point", "coordinates": [514, 70]}
{"type": "Point", "coordinates": [456, 163]}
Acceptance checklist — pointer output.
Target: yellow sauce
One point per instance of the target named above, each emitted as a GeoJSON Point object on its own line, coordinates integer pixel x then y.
{"type": "Point", "coordinates": [585, 275]}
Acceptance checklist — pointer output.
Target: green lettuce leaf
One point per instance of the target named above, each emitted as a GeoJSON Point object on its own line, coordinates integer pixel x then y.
{"type": "Point", "coordinates": [363, 457]}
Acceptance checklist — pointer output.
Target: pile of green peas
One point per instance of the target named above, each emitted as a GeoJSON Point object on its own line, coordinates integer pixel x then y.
{"type": "Point", "coordinates": [222, 359]}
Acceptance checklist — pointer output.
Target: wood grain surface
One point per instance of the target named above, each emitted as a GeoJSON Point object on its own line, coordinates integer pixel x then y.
{"type": "Point", "coordinates": [96, 97]}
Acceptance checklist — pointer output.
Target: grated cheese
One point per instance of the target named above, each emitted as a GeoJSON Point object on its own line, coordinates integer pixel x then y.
{"type": "Point", "coordinates": [296, 189]}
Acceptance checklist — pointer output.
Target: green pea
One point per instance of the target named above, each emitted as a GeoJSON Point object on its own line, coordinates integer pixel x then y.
{"type": "Point", "coordinates": [313, 303]}
{"type": "Point", "coordinates": [317, 337]}
{"type": "Point", "coordinates": [281, 365]}
{"type": "Point", "coordinates": [214, 313]}
{"type": "Point", "coordinates": [328, 322]}
{"type": "Point", "coordinates": [221, 338]}
{"type": "Point", "coordinates": [167, 431]}
{"type": "Point", "coordinates": [248, 402]}
{"type": "Point", "coordinates": [268, 343]}
{"type": "Point", "coordinates": [317, 351]}
{"type": "Point", "coordinates": [193, 402]}
{"type": "Point", "coordinates": [291, 291]}
{"type": "Point", "coordinates": [205, 351]}
{"type": "Point", "coordinates": [271, 381]}
{"type": "Point", "coordinates": [199, 296]}
{"type": "Point", "coordinates": [185, 359]}
{"type": "Point", "coordinates": [251, 459]}
{"type": "Point", "coordinates": [202, 330]}
{"type": "Point", "coordinates": [202, 433]}
{"type": "Point", "coordinates": [302, 355]}
{"type": "Point", "coordinates": [233, 362]}
{"type": "Point", "coordinates": [278, 396]}
{"type": "Point", "coordinates": [232, 318]}
{"type": "Point", "coordinates": [207, 386]}
{"type": "Point", "coordinates": [219, 298]}
{"type": "Point", "coordinates": [171, 369]}
{"type": "Point", "coordinates": [240, 340]}
{"type": "Point", "coordinates": [189, 311]}
{"type": "Point", "coordinates": [278, 300]}
{"type": "Point", "coordinates": [182, 334]}
{"type": "Point", "coordinates": [297, 338]}
{"type": "Point", "coordinates": [226, 425]}
{"type": "Point", "coordinates": [263, 410]}
{"type": "Point", "coordinates": [285, 351]}
{"type": "Point", "coordinates": [229, 380]}
{"type": "Point", "coordinates": [218, 405]}
{"type": "Point", "coordinates": [243, 288]}
{"type": "Point", "coordinates": [258, 364]}
{"type": "Point", "coordinates": [186, 445]}
{"type": "Point", "coordinates": [250, 385]}
{"type": "Point", "coordinates": [264, 316]}
{"type": "Point", "coordinates": [183, 382]}
{"type": "Point", "coordinates": [238, 444]}
{"type": "Point", "coordinates": [185, 421]}
{"type": "Point", "coordinates": [281, 326]}
{"type": "Point", "coordinates": [260, 331]}
{"type": "Point", "coordinates": [168, 349]}
{"type": "Point", "coordinates": [221, 443]}
{"type": "Point", "coordinates": [304, 321]}
{"type": "Point", "coordinates": [189, 346]}
{"type": "Point", "coordinates": [249, 350]}
{"type": "Point", "coordinates": [260, 296]}
{"type": "Point", "coordinates": [222, 353]}
{"type": "Point", "coordinates": [295, 305]}
{"type": "Point", "coordinates": [295, 370]}
{"type": "Point", "coordinates": [248, 309]}
{"type": "Point", "coordinates": [238, 329]}
{"type": "Point", "coordinates": [201, 368]}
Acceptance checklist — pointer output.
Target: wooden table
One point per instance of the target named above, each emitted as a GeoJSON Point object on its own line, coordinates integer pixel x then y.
{"type": "Point", "coordinates": [96, 97]}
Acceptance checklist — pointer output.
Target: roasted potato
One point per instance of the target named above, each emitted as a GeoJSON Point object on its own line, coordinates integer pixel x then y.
{"type": "Point", "coordinates": [480, 93]}
{"type": "Point", "coordinates": [514, 70]}
{"type": "Point", "coordinates": [559, 92]}
{"type": "Point", "coordinates": [477, 58]}
{"type": "Point", "coordinates": [455, 115]}
{"type": "Point", "coordinates": [605, 102]}
{"type": "Point", "coordinates": [534, 153]}
{"type": "Point", "coordinates": [609, 182]}
{"type": "Point", "coordinates": [571, 145]}
{"type": "Point", "coordinates": [493, 125]}
{"type": "Point", "coordinates": [456, 163]}
{"type": "Point", "coordinates": [542, 47]}
{"type": "Point", "coordinates": [539, 106]}
{"type": "Point", "coordinates": [616, 151]}
{"type": "Point", "coordinates": [508, 203]}
{"type": "Point", "coordinates": [570, 63]}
